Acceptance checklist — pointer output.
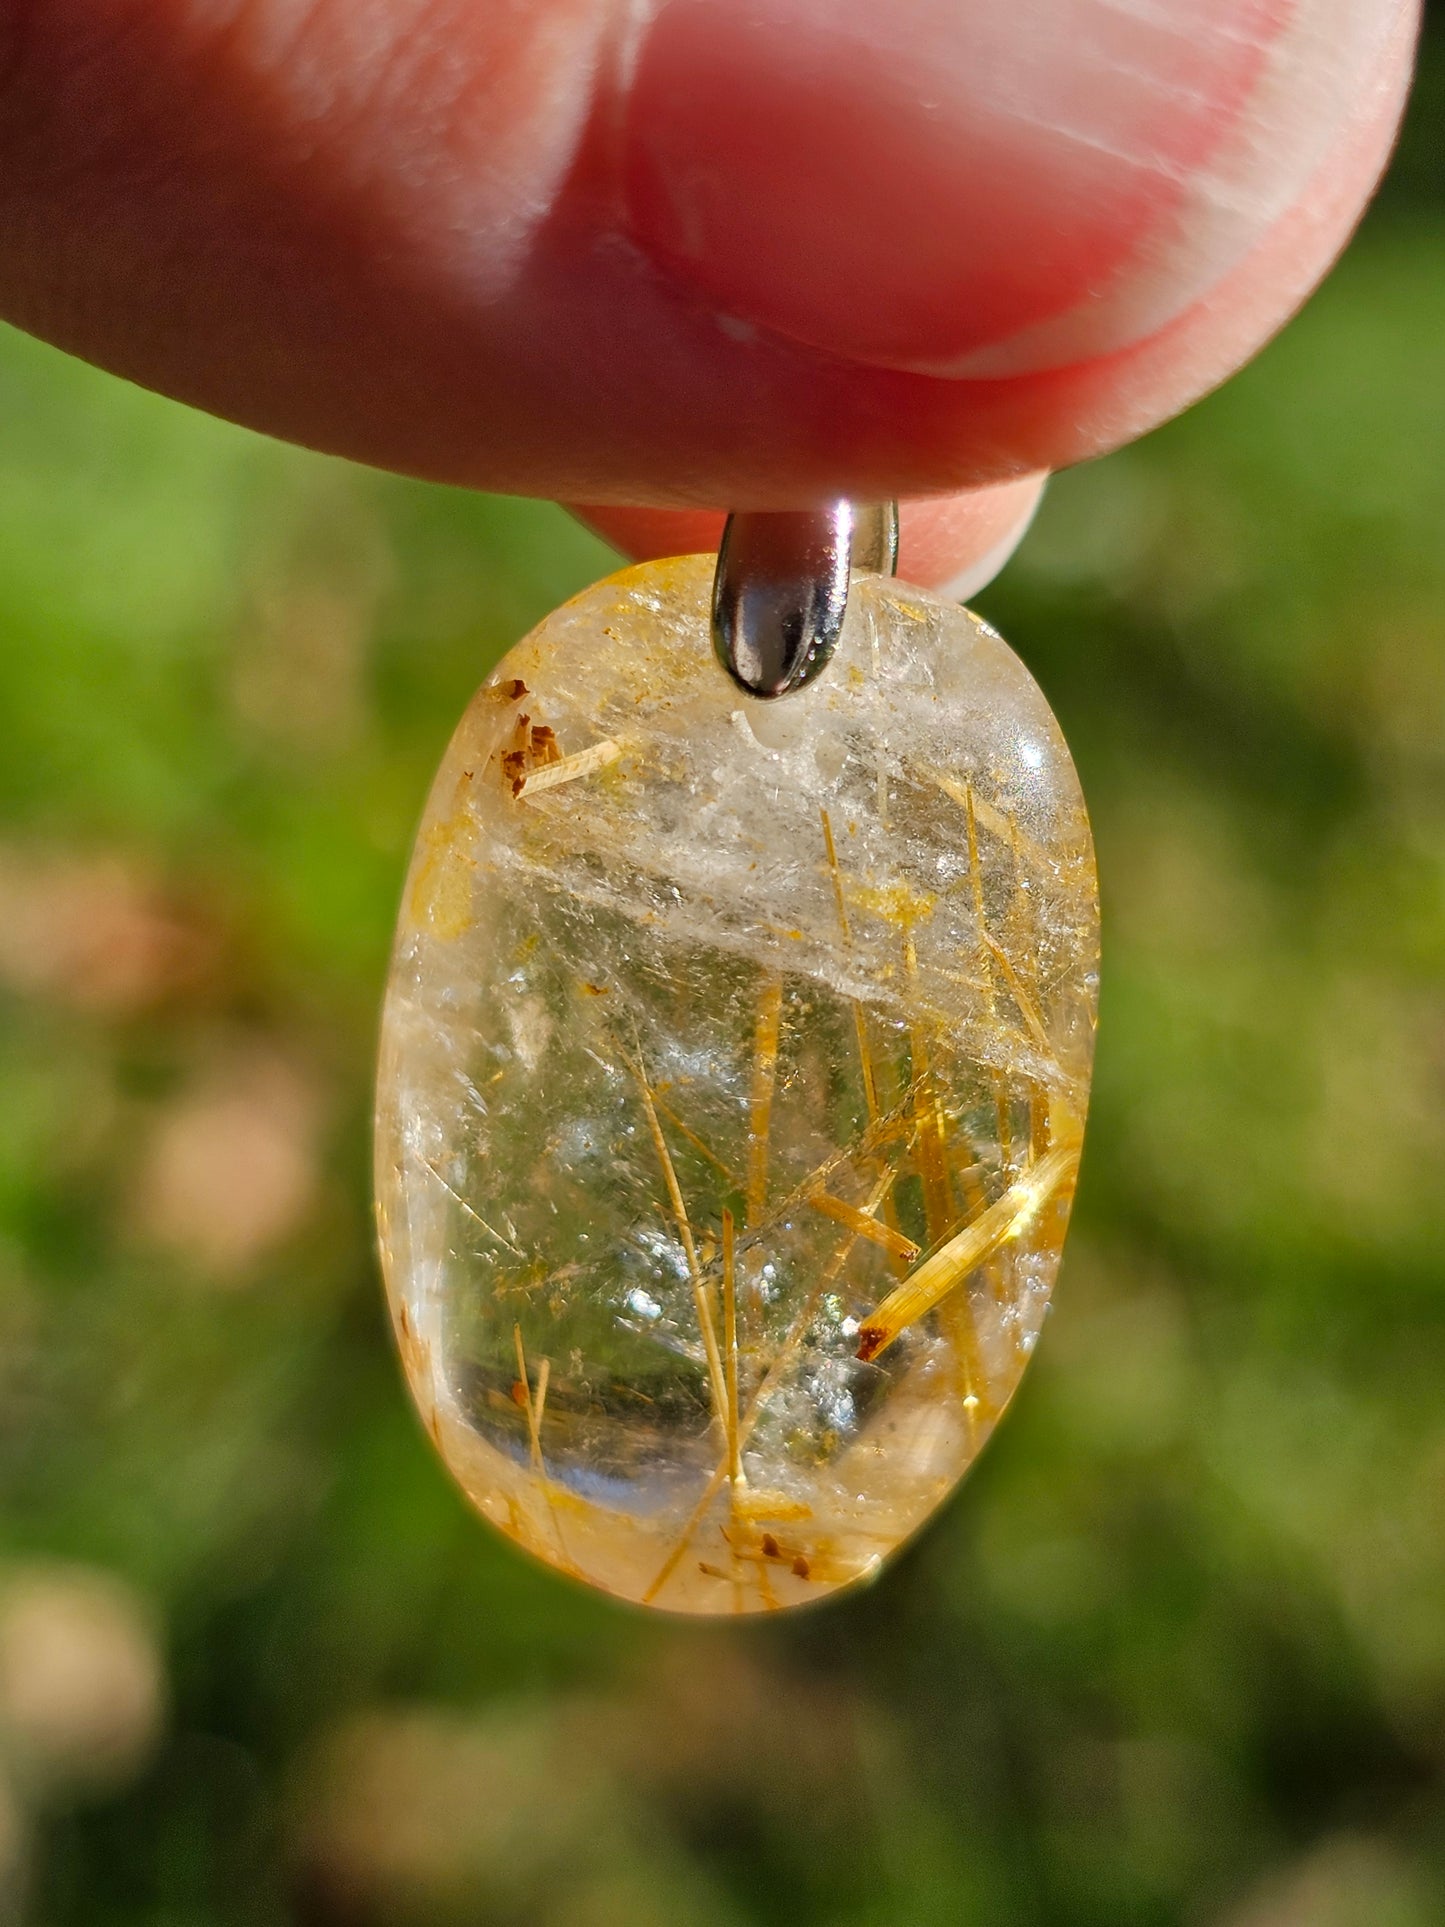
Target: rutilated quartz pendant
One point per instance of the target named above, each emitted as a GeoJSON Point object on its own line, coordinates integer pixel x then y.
{"type": "Point", "coordinates": [733, 1078]}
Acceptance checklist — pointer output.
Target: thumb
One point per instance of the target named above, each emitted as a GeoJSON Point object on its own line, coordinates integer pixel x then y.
{"type": "Point", "coordinates": [981, 189]}
{"type": "Point", "coordinates": [685, 252]}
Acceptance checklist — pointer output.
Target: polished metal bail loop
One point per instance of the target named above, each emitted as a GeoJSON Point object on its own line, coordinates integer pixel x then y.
{"type": "Point", "coordinates": [781, 589]}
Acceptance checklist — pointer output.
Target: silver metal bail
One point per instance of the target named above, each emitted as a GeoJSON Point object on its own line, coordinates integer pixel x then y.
{"type": "Point", "coordinates": [781, 589]}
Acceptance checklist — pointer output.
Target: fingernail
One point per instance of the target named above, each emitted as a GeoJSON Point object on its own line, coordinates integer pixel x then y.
{"type": "Point", "coordinates": [966, 583]}
{"type": "Point", "coordinates": [931, 185]}
{"type": "Point", "coordinates": [958, 543]}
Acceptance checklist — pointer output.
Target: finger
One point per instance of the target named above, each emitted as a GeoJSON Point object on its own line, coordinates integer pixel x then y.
{"type": "Point", "coordinates": [507, 246]}
{"type": "Point", "coordinates": [956, 543]}
{"type": "Point", "coordinates": [980, 190]}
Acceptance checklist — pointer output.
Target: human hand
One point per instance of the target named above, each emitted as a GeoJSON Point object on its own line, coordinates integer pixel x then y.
{"type": "Point", "coordinates": [753, 252]}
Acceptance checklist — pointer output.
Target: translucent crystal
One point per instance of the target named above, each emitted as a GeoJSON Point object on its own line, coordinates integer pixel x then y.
{"type": "Point", "coordinates": [733, 1080]}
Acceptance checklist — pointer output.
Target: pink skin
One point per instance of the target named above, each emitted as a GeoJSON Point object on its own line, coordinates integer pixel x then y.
{"type": "Point", "coordinates": [955, 542]}
{"type": "Point", "coordinates": [686, 252]}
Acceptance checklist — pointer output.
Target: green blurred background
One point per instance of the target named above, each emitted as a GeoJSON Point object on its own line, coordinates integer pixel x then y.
{"type": "Point", "coordinates": [1176, 1653]}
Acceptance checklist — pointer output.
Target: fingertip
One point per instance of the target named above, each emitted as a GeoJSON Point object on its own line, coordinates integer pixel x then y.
{"type": "Point", "coordinates": [643, 534]}
{"type": "Point", "coordinates": [954, 543]}
{"type": "Point", "coordinates": [957, 544]}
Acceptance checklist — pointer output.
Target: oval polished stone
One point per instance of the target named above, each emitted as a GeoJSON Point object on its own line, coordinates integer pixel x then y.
{"type": "Point", "coordinates": [733, 1078]}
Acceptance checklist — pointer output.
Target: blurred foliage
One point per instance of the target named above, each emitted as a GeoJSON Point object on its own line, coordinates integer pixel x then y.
{"type": "Point", "coordinates": [1177, 1653]}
